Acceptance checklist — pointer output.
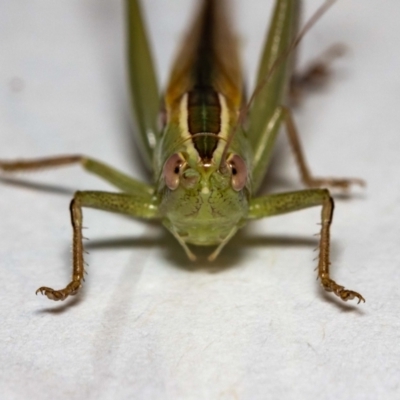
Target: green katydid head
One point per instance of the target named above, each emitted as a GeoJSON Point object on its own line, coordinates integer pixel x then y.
{"type": "Point", "coordinates": [204, 199]}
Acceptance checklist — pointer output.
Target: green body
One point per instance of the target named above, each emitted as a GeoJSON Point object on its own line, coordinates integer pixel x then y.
{"type": "Point", "coordinates": [207, 163]}
{"type": "Point", "coordinates": [205, 95]}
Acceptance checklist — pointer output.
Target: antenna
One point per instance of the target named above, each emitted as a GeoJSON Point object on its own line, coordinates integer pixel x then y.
{"type": "Point", "coordinates": [244, 111]}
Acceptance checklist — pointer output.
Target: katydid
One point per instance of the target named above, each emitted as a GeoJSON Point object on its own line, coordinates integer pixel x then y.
{"type": "Point", "coordinates": [207, 164]}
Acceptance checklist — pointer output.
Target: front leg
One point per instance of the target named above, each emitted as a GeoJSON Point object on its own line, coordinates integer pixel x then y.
{"type": "Point", "coordinates": [282, 203]}
{"type": "Point", "coordinates": [136, 206]}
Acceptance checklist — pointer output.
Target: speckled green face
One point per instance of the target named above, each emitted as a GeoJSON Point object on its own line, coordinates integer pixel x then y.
{"type": "Point", "coordinates": [201, 204]}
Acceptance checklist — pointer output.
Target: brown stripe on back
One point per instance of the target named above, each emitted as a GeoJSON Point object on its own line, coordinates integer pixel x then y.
{"type": "Point", "coordinates": [204, 115]}
{"type": "Point", "coordinates": [206, 66]}
{"type": "Point", "coordinates": [208, 57]}
{"type": "Point", "coordinates": [204, 111]}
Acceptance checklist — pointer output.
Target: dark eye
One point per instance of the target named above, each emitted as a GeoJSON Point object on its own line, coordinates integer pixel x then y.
{"type": "Point", "coordinates": [239, 172]}
{"type": "Point", "coordinates": [171, 171]}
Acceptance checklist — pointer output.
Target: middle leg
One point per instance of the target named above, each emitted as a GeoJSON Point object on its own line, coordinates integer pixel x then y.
{"type": "Point", "coordinates": [307, 178]}
{"type": "Point", "coordinates": [135, 206]}
{"type": "Point", "coordinates": [102, 170]}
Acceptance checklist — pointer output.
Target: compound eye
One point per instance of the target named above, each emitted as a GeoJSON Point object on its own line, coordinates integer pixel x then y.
{"type": "Point", "coordinates": [239, 172]}
{"type": "Point", "coordinates": [171, 171]}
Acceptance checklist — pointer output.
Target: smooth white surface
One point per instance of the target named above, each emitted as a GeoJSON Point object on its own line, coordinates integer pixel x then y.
{"type": "Point", "coordinates": [149, 324]}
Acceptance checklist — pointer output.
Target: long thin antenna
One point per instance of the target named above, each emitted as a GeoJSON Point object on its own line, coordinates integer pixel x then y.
{"type": "Point", "coordinates": [244, 111]}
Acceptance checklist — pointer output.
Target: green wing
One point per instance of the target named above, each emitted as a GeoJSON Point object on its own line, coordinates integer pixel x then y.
{"type": "Point", "coordinates": [143, 83]}
{"type": "Point", "coordinates": [282, 32]}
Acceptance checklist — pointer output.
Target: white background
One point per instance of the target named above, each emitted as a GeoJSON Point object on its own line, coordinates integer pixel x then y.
{"type": "Point", "coordinates": [149, 324]}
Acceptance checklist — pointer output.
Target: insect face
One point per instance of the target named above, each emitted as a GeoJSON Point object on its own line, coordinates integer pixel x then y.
{"type": "Point", "coordinates": [202, 204]}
